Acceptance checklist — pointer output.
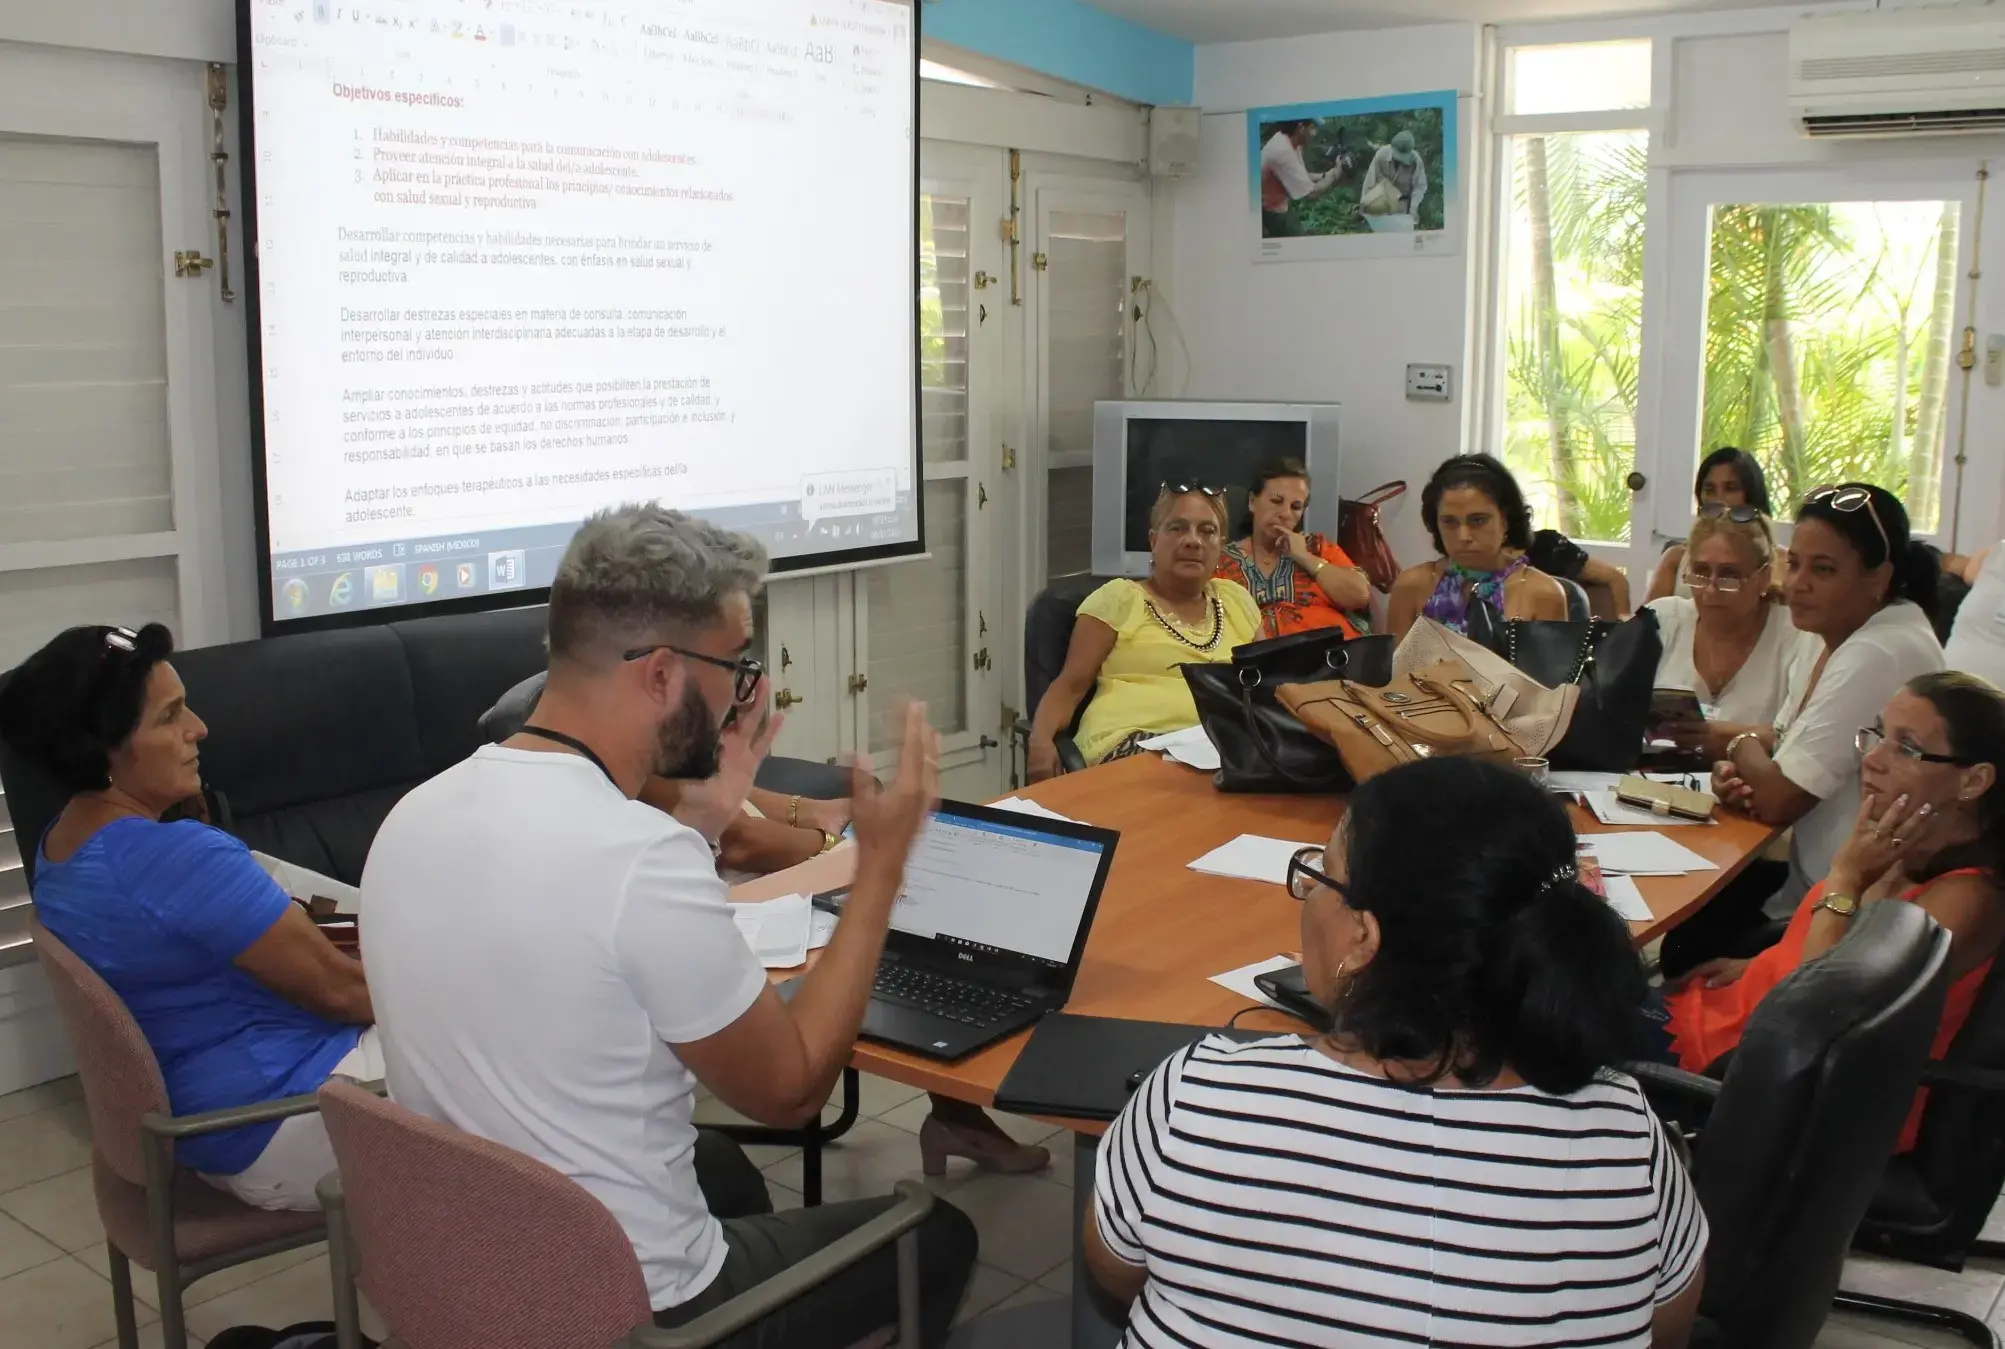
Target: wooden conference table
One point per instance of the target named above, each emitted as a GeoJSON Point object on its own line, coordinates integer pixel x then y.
{"type": "Point", "coordinates": [1163, 930]}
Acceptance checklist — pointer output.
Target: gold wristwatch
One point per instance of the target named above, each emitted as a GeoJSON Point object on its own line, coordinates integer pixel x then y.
{"type": "Point", "coordinates": [1842, 904]}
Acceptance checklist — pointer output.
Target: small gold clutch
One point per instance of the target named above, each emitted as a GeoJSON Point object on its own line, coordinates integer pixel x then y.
{"type": "Point", "coordinates": [1664, 798]}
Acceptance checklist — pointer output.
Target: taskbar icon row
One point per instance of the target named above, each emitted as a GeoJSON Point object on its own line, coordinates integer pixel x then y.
{"type": "Point", "coordinates": [393, 583]}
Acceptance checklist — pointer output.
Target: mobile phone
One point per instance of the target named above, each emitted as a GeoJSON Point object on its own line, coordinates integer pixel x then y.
{"type": "Point", "coordinates": [1668, 705]}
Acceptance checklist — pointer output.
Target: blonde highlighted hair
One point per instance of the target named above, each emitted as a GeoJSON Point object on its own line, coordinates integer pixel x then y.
{"type": "Point", "coordinates": [1166, 501]}
{"type": "Point", "coordinates": [1755, 534]}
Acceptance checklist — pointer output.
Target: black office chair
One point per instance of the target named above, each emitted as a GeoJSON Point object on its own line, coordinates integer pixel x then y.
{"type": "Point", "coordinates": [1047, 636]}
{"type": "Point", "coordinates": [1578, 609]}
{"type": "Point", "coordinates": [1795, 1138]}
{"type": "Point", "coordinates": [1933, 1202]}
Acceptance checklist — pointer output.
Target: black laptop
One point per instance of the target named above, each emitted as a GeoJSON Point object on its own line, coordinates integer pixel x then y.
{"type": "Point", "coordinates": [987, 936]}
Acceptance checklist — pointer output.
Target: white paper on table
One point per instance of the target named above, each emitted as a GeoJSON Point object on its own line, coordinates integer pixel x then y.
{"type": "Point", "coordinates": [1609, 809]}
{"type": "Point", "coordinates": [1240, 981]}
{"type": "Point", "coordinates": [1644, 854]}
{"type": "Point", "coordinates": [1190, 746]}
{"type": "Point", "coordinates": [1021, 806]}
{"type": "Point", "coordinates": [777, 930]}
{"type": "Point", "coordinates": [305, 883]}
{"type": "Point", "coordinates": [1250, 857]}
{"type": "Point", "coordinates": [1626, 898]}
{"type": "Point", "coordinates": [821, 928]}
{"type": "Point", "coordinates": [1573, 781]}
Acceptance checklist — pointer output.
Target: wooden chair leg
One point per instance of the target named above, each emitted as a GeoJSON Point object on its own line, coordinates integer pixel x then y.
{"type": "Point", "coordinates": [121, 1297]}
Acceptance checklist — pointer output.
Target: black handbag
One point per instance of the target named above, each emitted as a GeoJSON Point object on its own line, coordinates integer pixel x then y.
{"type": "Point", "coordinates": [1615, 665]}
{"type": "Point", "coordinates": [1262, 746]}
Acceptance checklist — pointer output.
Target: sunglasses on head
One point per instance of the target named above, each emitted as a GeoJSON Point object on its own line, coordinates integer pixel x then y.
{"type": "Point", "coordinates": [1849, 499]}
{"type": "Point", "coordinates": [1740, 515]}
{"type": "Point", "coordinates": [1178, 489]}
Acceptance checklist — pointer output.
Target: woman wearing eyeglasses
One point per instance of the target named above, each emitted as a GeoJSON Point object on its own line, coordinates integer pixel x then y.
{"type": "Point", "coordinates": [1727, 477]}
{"type": "Point", "coordinates": [1476, 514]}
{"type": "Point", "coordinates": [1131, 637]}
{"type": "Point", "coordinates": [1929, 830]}
{"type": "Point", "coordinates": [1732, 642]}
{"type": "Point", "coordinates": [1857, 582]}
{"type": "Point", "coordinates": [1458, 1161]}
{"type": "Point", "coordinates": [241, 998]}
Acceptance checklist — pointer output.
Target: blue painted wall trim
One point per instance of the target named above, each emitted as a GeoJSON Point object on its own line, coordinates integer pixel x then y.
{"type": "Point", "coordinates": [1072, 41]}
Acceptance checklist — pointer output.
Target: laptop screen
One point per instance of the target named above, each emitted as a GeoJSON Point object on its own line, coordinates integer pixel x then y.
{"type": "Point", "coordinates": [1013, 887]}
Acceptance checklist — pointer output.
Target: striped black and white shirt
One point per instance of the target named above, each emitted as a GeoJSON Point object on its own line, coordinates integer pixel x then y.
{"type": "Point", "coordinates": [1277, 1197]}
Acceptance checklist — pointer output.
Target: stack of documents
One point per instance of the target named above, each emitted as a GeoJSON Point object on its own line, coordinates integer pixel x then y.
{"type": "Point", "coordinates": [1643, 853]}
{"type": "Point", "coordinates": [1189, 746]}
{"type": "Point", "coordinates": [782, 931]}
{"type": "Point", "coordinates": [1251, 858]}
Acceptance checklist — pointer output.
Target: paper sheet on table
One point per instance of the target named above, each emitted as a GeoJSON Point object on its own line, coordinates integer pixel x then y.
{"type": "Point", "coordinates": [1609, 809]}
{"type": "Point", "coordinates": [304, 883]}
{"type": "Point", "coordinates": [1023, 807]}
{"type": "Point", "coordinates": [1250, 857]}
{"type": "Point", "coordinates": [821, 928]}
{"type": "Point", "coordinates": [1644, 854]}
{"type": "Point", "coordinates": [1626, 898]}
{"type": "Point", "coordinates": [1240, 981]}
{"type": "Point", "coordinates": [1189, 746]}
{"type": "Point", "coordinates": [777, 930]}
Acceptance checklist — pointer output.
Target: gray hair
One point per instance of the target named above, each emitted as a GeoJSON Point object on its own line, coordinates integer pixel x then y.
{"type": "Point", "coordinates": [634, 571]}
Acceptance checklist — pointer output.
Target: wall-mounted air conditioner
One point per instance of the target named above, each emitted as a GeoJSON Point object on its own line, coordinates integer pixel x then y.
{"type": "Point", "coordinates": [1899, 72]}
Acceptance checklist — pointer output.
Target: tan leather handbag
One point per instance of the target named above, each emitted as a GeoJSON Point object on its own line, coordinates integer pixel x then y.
{"type": "Point", "coordinates": [1536, 717]}
{"type": "Point", "coordinates": [1427, 714]}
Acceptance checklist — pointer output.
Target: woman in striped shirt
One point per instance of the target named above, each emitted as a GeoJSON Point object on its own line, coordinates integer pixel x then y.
{"type": "Point", "coordinates": [1457, 1163]}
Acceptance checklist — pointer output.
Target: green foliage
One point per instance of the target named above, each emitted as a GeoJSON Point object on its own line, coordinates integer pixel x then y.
{"type": "Point", "coordinates": [1360, 136]}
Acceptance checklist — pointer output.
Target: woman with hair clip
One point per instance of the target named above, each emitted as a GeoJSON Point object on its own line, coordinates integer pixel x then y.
{"type": "Point", "coordinates": [1930, 830]}
{"type": "Point", "coordinates": [241, 998]}
{"type": "Point", "coordinates": [1131, 637]}
{"type": "Point", "coordinates": [1477, 517]}
{"type": "Point", "coordinates": [1859, 584]}
{"type": "Point", "coordinates": [1376, 1184]}
{"type": "Point", "coordinates": [1731, 643]}
{"type": "Point", "coordinates": [1302, 582]}
{"type": "Point", "coordinates": [1727, 477]}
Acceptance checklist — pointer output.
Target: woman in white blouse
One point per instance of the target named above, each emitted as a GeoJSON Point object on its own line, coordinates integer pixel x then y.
{"type": "Point", "coordinates": [1733, 642]}
{"type": "Point", "coordinates": [1859, 582]}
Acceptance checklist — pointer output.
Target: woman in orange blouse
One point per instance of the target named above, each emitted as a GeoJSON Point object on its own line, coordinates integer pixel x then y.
{"type": "Point", "coordinates": [1931, 831]}
{"type": "Point", "coordinates": [1300, 581]}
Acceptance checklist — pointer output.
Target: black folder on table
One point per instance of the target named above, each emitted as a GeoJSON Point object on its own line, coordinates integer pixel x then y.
{"type": "Point", "coordinates": [1081, 1067]}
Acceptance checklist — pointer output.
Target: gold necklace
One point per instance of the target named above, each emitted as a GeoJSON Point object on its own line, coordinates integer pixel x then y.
{"type": "Point", "coordinates": [1217, 624]}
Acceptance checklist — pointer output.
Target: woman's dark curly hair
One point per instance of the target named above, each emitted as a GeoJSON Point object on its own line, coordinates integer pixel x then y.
{"type": "Point", "coordinates": [79, 698]}
{"type": "Point", "coordinates": [1488, 476]}
{"type": "Point", "coordinates": [1491, 952]}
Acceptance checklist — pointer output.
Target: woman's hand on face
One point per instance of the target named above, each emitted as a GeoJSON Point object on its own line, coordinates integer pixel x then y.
{"type": "Point", "coordinates": [1729, 787]}
{"type": "Point", "coordinates": [1296, 546]}
{"type": "Point", "coordinates": [1881, 837]}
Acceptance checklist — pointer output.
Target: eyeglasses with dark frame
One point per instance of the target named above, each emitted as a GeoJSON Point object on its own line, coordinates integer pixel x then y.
{"type": "Point", "coordinates": [749, 671]}
{"type": "Point", "coordinates": [1740, 515]}
{"type": "Point", "coordinates": [1870, 738]}
{"type": "Point", "coordinates": [1304, 878]}
{"type": "Point", "coordinates": [1849, 499]}
{"type": "Point", "coordinates": [1178, 489]}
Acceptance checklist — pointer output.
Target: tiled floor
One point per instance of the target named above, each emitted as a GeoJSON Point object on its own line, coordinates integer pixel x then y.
{"type": "Point", "coordinates": [55, 1293]}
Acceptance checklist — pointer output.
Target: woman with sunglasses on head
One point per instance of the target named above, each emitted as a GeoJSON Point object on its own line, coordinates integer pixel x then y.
{"type": "Point", "coordinates": [1477, 516]}
{"type": "Point", "coordinates": [1131, 637]}
{"type": "Point", "coordinates": [1858, 583]}
{"type": "Point", "coordinates": [1376, 1183]}
{"type": "Point", "coordinates": [241, 998]}
{"type": "Point", "coordinates": [1302, 582]}
{"type": "Point", "coordinates": [1727, 477]}
{"type": "Point", "coordinates": [1929, 830]}
{"type": "Point", "coordinates": [1732, 642]}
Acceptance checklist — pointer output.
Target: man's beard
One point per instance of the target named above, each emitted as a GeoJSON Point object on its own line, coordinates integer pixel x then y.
{"type": "Point", "coordinates": [689, 747]}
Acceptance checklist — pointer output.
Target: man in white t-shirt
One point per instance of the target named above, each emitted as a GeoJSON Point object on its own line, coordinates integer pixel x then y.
{"type": "Point", "coordinates": [554, 965]}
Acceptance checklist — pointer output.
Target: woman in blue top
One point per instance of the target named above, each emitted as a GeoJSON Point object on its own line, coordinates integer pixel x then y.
{"type": "Point", "coordinates": [241, 997]}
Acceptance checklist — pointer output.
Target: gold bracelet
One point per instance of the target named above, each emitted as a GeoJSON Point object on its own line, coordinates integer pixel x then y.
{"type": "Point", "coordinates": [794, 811]}
{"type": "Point", "coordinates": [1735, 743]}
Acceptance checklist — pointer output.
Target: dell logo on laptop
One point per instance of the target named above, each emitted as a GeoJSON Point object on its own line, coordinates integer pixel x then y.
{"type": "Point", "coordinates": [965, 956]}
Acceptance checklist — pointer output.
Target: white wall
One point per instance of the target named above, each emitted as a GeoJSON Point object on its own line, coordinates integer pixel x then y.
{"type": "Point", "coordinates": [1341, 331]}
{"type": "Point", "coordinates": [188, 30]}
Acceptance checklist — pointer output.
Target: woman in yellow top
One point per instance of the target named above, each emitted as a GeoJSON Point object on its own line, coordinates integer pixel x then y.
{"type": "Point", "coordinates": [1132, 635]}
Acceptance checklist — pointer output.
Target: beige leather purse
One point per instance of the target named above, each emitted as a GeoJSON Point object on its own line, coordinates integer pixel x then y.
{"type": "Point", "coordinates": [1535, 716]}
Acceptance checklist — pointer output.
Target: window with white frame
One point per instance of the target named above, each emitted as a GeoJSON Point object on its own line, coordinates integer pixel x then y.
{"type": "Point", "coordinates": [1573, 150]}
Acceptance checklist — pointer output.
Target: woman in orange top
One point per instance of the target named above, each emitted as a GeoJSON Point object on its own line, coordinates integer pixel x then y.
{"type": "Point", "coordinates": [1300, 581]}
{"type": "Point", "coordinates": [1931, 831]}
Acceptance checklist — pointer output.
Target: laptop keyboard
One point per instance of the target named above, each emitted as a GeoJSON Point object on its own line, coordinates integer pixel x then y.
{"type": "Point", "coordinates": [971, 1004]}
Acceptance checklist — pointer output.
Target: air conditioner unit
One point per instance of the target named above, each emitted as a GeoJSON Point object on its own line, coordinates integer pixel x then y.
{"type": "Point", "coordinates": [1899, 72]}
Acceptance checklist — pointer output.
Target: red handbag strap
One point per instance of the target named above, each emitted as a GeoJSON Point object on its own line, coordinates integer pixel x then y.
{"type": "Point", "coordinates": [1384, 492]}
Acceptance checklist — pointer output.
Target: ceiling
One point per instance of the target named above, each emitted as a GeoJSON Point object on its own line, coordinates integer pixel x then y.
{"type": "Point", "coordinates": [1248, 20]}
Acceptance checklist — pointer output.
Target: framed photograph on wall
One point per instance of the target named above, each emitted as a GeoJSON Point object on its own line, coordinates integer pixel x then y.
{"type": "Point", "coordinates": [1366, 177]}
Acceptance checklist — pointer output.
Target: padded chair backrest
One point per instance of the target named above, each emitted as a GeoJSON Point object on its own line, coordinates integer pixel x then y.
{"type": "Point", "coordinates": [1578, 609]}
{"type": "Point", "coordinates": [1047, 635]}
{"type": "Point", "coordinates": [465, 1244]}
{"type": "Point", "coordinates": [459, 664]}
{"type": "Point", "coordinates": [1961, 1148]}
{"type": "Point", "coordinates": [1807, 1117]}
{"type": "Point", "coordinates": [121, 1077]}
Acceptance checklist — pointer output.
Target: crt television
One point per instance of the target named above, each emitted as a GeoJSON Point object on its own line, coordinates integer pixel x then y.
{"type": "Point", "coordinates": [1137, 447]}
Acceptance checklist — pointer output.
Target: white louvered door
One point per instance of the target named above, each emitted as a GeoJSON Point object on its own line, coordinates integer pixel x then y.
{"type": "Point", "coordinates": [925, 629]}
